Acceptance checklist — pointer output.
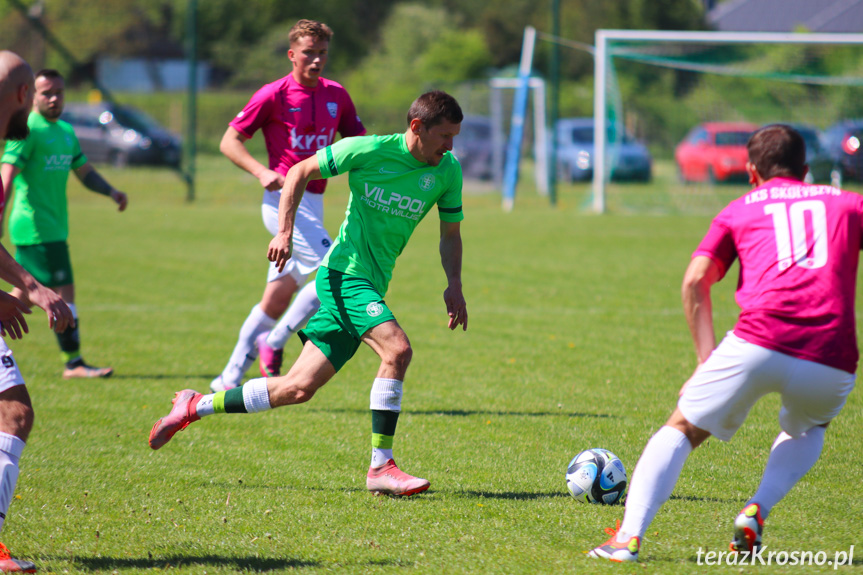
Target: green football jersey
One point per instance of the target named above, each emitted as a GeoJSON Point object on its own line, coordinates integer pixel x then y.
{"type": "Point", "coordinates": [39, 208]}
{"type": "Point", "coordinates": [391, 192]}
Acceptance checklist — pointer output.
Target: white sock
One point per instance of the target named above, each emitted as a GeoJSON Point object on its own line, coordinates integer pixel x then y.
{"type": "Point", "coordinates": [386, 394]}
{"type": "Point", "coordinates": [245, 352]}
{"type": "Point", "coordinates": [653, 480]}
{"type": "Point", "coordinates": [11, 448]}
{"type": "Point", "coordinates": [380, 456]}
{"type": "Point", "coordinates": [790, 459]}
{"type": "Point", "coordinates": [302, 309]}
{"type": "Point", "coordinates": [256, 397]}
{"type": "Point", "coordinates": [205, 405]}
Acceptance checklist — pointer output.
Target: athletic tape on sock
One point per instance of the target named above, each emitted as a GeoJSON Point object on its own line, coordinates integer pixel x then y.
{"type": "Point", "coordinates": [255, 395]}
{"type": "Point", "coordinates": [386, 395]}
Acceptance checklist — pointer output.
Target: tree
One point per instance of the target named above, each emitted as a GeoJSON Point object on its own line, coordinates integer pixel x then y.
{"type": "Point", "coordinates": [411, 59]}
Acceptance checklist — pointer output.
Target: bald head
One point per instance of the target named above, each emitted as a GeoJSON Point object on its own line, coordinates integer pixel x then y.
{"type": "Point", "coordinates": [14, 71]}
{"type": "Point", "coordinates": [16, 95]}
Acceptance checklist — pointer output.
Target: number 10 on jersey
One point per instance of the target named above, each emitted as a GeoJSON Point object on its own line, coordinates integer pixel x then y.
{"type": "Point", "coordinates": [795, 243]}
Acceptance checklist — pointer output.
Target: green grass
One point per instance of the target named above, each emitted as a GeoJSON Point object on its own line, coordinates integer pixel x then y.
{"type": "Point", "coordinates": [576, 339]}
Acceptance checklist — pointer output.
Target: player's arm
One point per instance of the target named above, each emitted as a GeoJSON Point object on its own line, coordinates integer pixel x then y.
{"type": "Point", "coordinates": [296, 181]}
{"type": "Point", "coordinates": [451, 257]}
{"type": "Point", "coordinates": [59, 314]}
{"type": "Point", "coordinates": [233, 145]}
{"type": "Point", "coordinates": [700, 276]}
{"type": "Point", "coordinates": [7, 176]}
{"type": "Point", "coordinates": [94, 182]}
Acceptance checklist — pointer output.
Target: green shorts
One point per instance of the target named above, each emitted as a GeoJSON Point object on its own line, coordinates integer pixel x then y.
{"type": "Point", "coordinates": [350, 306]}
{"type": "Point", "coordinates": [49, 263]}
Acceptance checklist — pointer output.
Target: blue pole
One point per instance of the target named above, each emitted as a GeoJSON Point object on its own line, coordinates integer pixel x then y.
{"type": "Point", "coordinates": [519, 111]}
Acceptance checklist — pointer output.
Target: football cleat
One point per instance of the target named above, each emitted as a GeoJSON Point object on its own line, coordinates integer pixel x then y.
{"type": "Point", "coordinates": [270, 357]}
{"type": "Point", "coordinates": [82, 370]}
{"type": "Point", "coordinates": [10, 565]}
{"type": "Point", "coordinates": [221, 383]}
{"type": "Point", "coordinates": [748, 527]}
{"type": "Point", "coordinates": [182, 414]}
{"type": "Point", "coordinates": [388, 479]}
{"type": "Point", "coordinates": [617, 551]}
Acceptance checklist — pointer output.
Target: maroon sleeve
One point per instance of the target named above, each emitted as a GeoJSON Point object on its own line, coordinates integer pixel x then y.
{"type": "Point", "coordinates": [256, 113]}
{"type": "Point", "coordinates": [718, 245]}
{"type": "Point", "coordinates": [350, 123]}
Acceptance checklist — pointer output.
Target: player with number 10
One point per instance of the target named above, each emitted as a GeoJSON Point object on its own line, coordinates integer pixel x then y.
{"type": "Point", "coordinates": [799, 247]}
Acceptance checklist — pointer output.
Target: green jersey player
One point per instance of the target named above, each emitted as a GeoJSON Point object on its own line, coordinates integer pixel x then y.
{"type": "Point", "coordinates": [395, 181]}
{"type": "Point", "coordinates": [37, 168]}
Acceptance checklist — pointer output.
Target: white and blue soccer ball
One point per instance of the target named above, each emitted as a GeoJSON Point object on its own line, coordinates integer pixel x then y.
{"type": "Point", "coordinates": [596, 476]}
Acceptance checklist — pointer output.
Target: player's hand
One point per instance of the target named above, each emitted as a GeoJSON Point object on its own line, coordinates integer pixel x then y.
{"type": "Point", "coordinates": [121, 199]}
{"type": "Point", "coordinates": [272, 181]}
{"type": "Point", "coordinates": [12, 322]}
{"type": "Point", "coordinates": [60, 317]}
{"type": "Point", "coordinates": [456, 307]}
{"type": "Point", "coordinates": [280, 249]}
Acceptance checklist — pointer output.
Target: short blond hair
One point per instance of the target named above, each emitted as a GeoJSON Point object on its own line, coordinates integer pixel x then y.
{"type": "Point", "coordinates": [313, 28]}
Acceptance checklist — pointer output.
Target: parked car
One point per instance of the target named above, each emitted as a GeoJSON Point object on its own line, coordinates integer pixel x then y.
{"type": "Point", "coordinates": [121, 135]}
{"type": "Point", "coordinates": [714, 151]}
{"type": "Point", "coordinates": [629, 158]}
{"type": "Point", "coordinates": [843, 141]}
{"type": "Point", "coordinates": [817, 157]}
{"type": "Point", "coordinates": [473, 148]}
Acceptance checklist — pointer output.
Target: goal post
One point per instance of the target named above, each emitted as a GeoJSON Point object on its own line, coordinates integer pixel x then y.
{"type": "Point", "coordinates": [679, 51]}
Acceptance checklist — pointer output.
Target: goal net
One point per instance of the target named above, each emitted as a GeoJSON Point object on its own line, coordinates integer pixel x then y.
{"type": "Point", "coordinates": [692, 98]}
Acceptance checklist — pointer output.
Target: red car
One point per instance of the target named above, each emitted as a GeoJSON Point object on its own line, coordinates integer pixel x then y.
{"type": "Point", "coordinates": [714, 152]}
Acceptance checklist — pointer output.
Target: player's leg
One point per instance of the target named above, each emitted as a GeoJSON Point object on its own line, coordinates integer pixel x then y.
{"type": "Point", "coordinates": [16, 421]}
{"type": "Point", "coordinates": [310, 244]}
{"type": "Point", "coordinates": [263, 315]}
{"type": "Point", "coordinates": [261, 318]}
{"type": "Point", "coordinates": [70, 342]}
{"type": "Point", "coordinates": [391, 344]}
{"type": "Point", "coordinates": [653, 480]}
{"type": "Point", "coordinates": [716, 402]}
{"type": "Point", "coordinates": [308, 374]}
{"type": "Point", "coordinates": [51, 265]}
{"type": "Point", "coordinates": [327, 346]}
{"type": "Point", "coordinates": [813, 395]}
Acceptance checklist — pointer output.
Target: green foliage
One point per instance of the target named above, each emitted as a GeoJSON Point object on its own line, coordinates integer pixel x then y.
{"type": "Point", "coordinates": [420, 49]}
{"type": "Point", "coordinates": [262, 62]}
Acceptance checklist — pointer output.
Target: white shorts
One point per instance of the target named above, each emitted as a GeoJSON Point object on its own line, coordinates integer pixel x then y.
{"type": "Point", "coordinates": [739, 373]}
{"type": "Point", "coordinates": [311, 240]}
{"type": "Point", "coordinates": [10, 376]}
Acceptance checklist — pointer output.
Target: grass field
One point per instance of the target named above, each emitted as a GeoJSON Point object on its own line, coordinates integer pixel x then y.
{"type": "Point", "coordinates": [576, 339]}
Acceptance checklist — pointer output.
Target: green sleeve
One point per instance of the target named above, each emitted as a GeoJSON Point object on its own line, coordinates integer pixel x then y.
{"type": "Point", "coordinates": [17, 152]}
{"type": "Point", "coordinates": [326, 162]}
{"type": "Point", "coordinates": [78, 159]}
{"type": "Point", "coordinates": [449, 205]}
{"type": "Point", "coordinates": [344, 155]}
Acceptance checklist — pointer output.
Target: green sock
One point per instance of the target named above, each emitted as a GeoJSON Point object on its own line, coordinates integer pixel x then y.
{"type": "Point", "coordinates": [230, 401]}
{"type": "Point", "coordinates": [70, 343]}
{"type": "Point", "coordinates": [384, 428]}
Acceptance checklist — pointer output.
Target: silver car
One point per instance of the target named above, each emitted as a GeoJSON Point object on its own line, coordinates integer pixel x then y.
{"type": "Point", "coordinates": [121, 135]}
{"type": "Point", "coordinates": [629, 159]}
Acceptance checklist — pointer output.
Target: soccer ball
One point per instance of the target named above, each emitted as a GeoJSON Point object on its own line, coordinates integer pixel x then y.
{"type": "Point", "coordinates": [596, 476]}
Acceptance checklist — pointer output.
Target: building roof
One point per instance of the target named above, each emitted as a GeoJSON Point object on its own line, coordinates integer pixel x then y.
{"type": "Point", "coordinates": [832, 16]}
